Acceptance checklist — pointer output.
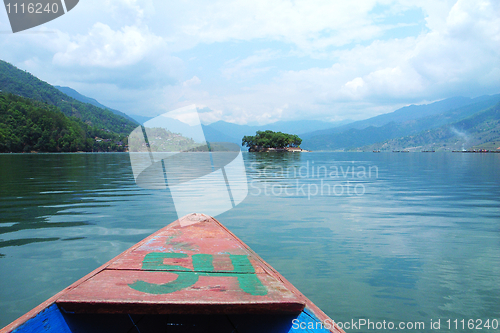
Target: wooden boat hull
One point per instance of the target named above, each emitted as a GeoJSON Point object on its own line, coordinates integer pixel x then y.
{"type": "Point", "coordinates": [192, 276]}
{"type": "Point", "coordinates": [54, 319]}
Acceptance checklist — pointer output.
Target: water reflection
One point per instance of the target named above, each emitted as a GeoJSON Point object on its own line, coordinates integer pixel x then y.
{"type": "Point", "coordinates": [272, 164]}
{"type": "Point", "coordinates": [421, 242]}
{"type": "Point", "coordinates": [63, 215]}
{"type": "Point", "coordinates": [39, 189]}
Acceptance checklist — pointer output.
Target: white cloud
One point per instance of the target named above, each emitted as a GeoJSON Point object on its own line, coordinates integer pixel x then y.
{"type": "Point", "coordinates": [299, 59]}
{"type": "Point", "coordinates": [352, 87]}
{"type": "Point", "coordinates": [124, 9]}
{"type": "Point", "coordinates": [187, 114]}
{"type": "Point", "coordinates": [194, 81]}
{"type": "Point", "coordinates": [310, 25]}
{"type": "Point", "coordinates": [210, 116]}
{"type": "Point", "coordinates": [104, 47]}
{"type": "Point", "coordinates": [249, 66]}
{"type": "Point", "coordinates": [365, 79]}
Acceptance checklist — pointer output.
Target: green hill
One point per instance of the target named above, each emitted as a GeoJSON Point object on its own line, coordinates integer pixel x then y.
{"type": "Point", "coordinates": [22, 83]}
{"type": "Point", "coordinates": [84, 99]}
{"type": "Point", "coordinates": [27, 125]}
{"type": "Point", "coordinates": [480, 131]}
{"type": "Point", "coordinates": [492, 146]}
{"type": "Point", "coordinates": [354, 138]}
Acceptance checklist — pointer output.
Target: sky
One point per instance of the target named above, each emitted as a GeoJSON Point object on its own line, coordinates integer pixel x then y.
{"type": "Point", "coordinates": [260, 61]}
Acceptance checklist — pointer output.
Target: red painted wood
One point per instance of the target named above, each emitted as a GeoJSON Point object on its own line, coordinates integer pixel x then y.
{"type": "Point", "coordinates": [216, 288]}
{"type": "Point", "coordinates": [110, 291]}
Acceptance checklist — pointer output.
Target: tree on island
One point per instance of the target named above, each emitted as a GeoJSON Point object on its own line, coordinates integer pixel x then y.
{"type": "Point", "coordinates": [270, 139]}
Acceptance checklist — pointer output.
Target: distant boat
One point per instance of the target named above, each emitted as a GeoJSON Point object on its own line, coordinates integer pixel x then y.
{"type": "Point", "coordinates": [194, 275]}
{"type": "Point", "coordinates": [376, 151]}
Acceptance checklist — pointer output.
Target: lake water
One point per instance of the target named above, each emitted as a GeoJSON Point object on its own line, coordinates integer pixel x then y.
{"type": "Point", "coordinates": [400, 237]}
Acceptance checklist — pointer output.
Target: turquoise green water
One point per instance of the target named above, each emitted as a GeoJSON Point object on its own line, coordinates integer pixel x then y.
{"type": "Point", "coordinates": [405, 237]}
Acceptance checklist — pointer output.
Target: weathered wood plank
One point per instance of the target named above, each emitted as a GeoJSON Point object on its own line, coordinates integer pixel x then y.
{"type": "Point", "coordinates": [192, 266]}
{"type": "Point", "coordinates": [118, 291]}
{"type": "Point", "coordinates": [195, 267]}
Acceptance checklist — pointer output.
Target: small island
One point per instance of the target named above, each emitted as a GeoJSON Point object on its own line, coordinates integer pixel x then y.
{"type": "Point", "coordinates": [268, 141]}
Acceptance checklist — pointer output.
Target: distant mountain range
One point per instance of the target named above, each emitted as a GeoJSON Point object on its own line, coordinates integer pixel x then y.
{"type": "Point", "coordinates": [434, 126]}
{"type": "Point", "coordinates": [376, 131]}
{"type": "Point", "coordinates": [403, 122]}
{"type": "Point", "coordinates": [406, 113]}
{"type": "Point", "coordinates": [480, 128]}
{"type": "Point", "coordinates": [452, 123]}
{"type": "Point", "coordinates": [140, 119]}
{"type": "Point", "coordinates": [84, 99]}
{"type": "Point", "coordinates": [221, 130]}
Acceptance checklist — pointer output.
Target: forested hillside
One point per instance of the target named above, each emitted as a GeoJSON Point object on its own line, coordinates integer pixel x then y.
{"type": "Point", "coordinates": [354, 138]}
{"type": "Point", "coordinates": [480, 128]}
{"type": "Point", "coordinates": [27, 125]}
{"type": "Point", "coordinates": [84, 99]}
{"type": "Point", "coordinates": [22, 83]}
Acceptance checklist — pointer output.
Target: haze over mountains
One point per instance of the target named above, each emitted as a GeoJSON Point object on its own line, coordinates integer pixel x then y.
{"type": "Point", "coordinates": [400, 123]}
{"type": "Point", "coordinates": [234, 132]}
{"type": "Point", "coordinates": [374, 133]}
{"type": "Point", "coordinates": [84, 99]}
{"type": "Point", "coordinates": [389, 131]}
{"type": "Point", "coordinates": [480, 129]}
{"type": "Point", "coordinates": [448, 124]}
{"type": "Point", "coordinates": [222, 131]}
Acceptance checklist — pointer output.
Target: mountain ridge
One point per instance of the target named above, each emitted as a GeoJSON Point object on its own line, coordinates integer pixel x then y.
{"type": "Point", "coordinates": [18, 82]}
{"type": "Point", "coordinates": [400, 124]}
{"type": "Point", "coordinates": [352, 138]}
{"type": "Point", "coordinates": [477, 129]}
{"type": "Point", "coordinates": [84, 99]}
{"type": "Point", "coordinates": [237, 132]}
{"type": "Point", "coordinates": [406, 113]}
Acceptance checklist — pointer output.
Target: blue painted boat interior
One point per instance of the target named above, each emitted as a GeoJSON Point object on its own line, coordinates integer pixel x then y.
{"type": "Point", "coordinates": [53, 319]}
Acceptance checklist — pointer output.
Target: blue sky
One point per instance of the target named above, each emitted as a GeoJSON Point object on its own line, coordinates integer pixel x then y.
{"type": "Point", "coordinates": [262, 61]}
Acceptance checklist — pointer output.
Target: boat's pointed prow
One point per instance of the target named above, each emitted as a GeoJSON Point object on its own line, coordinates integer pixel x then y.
{"type": "Point", "coordinates": [194, 265]}
{"type": "Point", "coordinates": [192, 219]}
{"type": "Point", "coordinates": [191, 268]}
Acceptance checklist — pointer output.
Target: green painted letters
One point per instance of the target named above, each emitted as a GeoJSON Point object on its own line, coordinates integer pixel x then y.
{"type": "Point", "coordinates": [203, 266]}
{"type": "Point", "coordinates": [184, 280]}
